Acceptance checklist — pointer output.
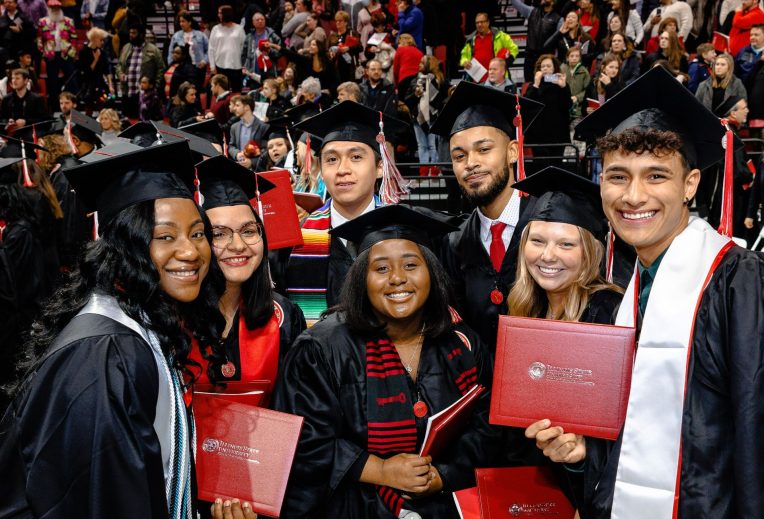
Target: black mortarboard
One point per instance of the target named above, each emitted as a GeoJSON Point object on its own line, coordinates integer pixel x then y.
{"type": "Point", "coordinates": [148, 133]}
{"type": "Point", "coordinates": [224, 182]}
{"type": "Point", "coordinates": [209, 130]}
{"type": "Point", "coordinates": [13, 147]}
{"type": "Point", "coordinates": [567, 198]}
{"type": "Point", "coordinates": [40, 129]}
{"type": "Point", "coordinates": [474, 105]}
{"type": "Point", "coordinates": [84, 127]}
{"type": "Point", "coordinates": [118, 181]}
{"type": "Point", "coordinates": [725, 107]}
{"type": "Point", "coordinates": [393, 222]}
{"type": "Point", "coordinates": [296, 115]}
{"type": "Point", "coordinates": [657, 100]}
{"type": "Point", "coordinates": [8, 175]}
{"type": "Point", "coordinates": [350, 121]}
{"type": "Point", "coordinates": [112, 150]}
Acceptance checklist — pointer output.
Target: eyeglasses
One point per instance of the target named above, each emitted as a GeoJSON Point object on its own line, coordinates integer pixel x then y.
{"type": "Point", "coordinates": [222, 236]}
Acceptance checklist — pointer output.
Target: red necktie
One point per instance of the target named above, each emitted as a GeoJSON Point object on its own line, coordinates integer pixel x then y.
{"type": "Point", "coordinates": [497, 245]}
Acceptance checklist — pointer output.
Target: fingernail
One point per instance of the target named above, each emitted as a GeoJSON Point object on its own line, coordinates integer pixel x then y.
{"type": "Point", "coordinates": [245, 505]}
{"type": "Point", "coordinates": [218, 501]}
{"type": "Point", "coordinates": [234, 500]}
{"type": "Point", "coordinates": [227, 503]}
{"type": "Point", "coordinates": [547, 423]}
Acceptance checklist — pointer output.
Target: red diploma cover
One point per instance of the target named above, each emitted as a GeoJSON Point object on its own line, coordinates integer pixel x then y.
{"type": "Point", "coordinates": [308, 201]}
{"type": "Point", "coordinates": [577, 375]}
{"type": "Point", "coordinates": [467, 503]}
{"type": "Point", "coordinates": [448, 424]}
{"type": "Point", "coordinates": [243, 451]}
{"type": "Point", "coordinates": [249, 393]}
{"type": "Point", "coordinates": [279, 214]}
{"type": "Point", "coordinates": [521, 492]}
{"type": "Point", "coordinates": [592, 103]}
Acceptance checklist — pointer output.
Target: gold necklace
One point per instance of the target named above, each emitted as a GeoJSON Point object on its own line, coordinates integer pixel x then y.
{"type": "Point", "coordinates": [409, 366]}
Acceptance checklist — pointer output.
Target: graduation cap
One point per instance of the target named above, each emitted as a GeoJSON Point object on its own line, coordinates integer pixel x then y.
{"type": "Point", "coordinates": [117, 181]}
{"type": "Point", "coordinates": [17, 148]}
{"type": "Point", "coordinates": [223, 183]}
{"type": "Point", "coordinates": [354, 122]}
{"type": "Point", "coordinates": [34, 131]}
{"type": "Point", "coordinates": [393, 222]}
{"type": "Point", "coordinates": [84, 128]}
{"type": "Point", "coordinates": [8, 175]}
{"type": "Point", "coordinates": [473, 105]}
{"type": "Point", "coordinates": [567, 198]}
{"type": "Point", "coordinates": [113, 150]}
{"type": "Point", "coordinates": [147, 134]}
{"type": "Point", "coordinates": [724, 108]}
{"type": "Point", "coordinates": [209, 130]}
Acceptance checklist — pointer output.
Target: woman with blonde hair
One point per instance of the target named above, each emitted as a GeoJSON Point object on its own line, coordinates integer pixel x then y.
{"type": "Point", "coordinates": [561, 252]}
{"type": "Point", "coordinates": [406, 62]}
{"type": "Point", "coordinates": [110, 124]}
{"type": "Point", "coordinates": [722, 84]}
{"type": "Point", "coordinates": [94, 69]}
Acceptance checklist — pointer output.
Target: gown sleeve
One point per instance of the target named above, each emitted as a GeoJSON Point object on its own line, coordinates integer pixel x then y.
{"type": "Point", "coordinates": [309, 387]}
{"type": "Point", "coordinates": [81, 442]}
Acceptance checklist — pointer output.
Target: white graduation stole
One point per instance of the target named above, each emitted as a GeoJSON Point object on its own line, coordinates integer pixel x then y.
{"type": "Point", "coordinates": [648, 468]}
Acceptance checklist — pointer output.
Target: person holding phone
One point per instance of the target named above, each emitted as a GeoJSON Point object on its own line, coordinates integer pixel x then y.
{"type": "Point", "coordinates": [550, 88]}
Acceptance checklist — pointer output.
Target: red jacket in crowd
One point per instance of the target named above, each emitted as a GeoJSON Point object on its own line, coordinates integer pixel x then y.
{"type": "Point", "coordinates": [741, 27]}
{"type": "Point", "coordinates": [406, 62]}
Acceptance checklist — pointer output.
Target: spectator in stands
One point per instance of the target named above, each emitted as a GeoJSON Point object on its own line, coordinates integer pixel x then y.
{"type": "Point", "coordinates": [189, 34]}
{"type": "Point", "coordinates": [755, 87]}
{"type": "Point", "coordinates": [179, 71]}
{"type": "Point", "coordinates": [310, 30]}
{"type": "Point", "coordinates": [487, 43]}
{"type": "Point", "coordinates": [677, 9]}
{"type": "Point", "coordinates": [406, 62]}
{"type": "Point", "coordinates": [56, 37]}
{"type": "Point", "coordinates": [345, 48]}
{"type": "Point", "coordinates": [578, 79]}
{"type": "Point", "coordinates": [34, 10]}
{"type": "Point", "coordinates": [248, 128]}
{"type": "Point", "coordinates": [384, 51]}
{"type": "Point", "coordinates": [609, 80]}
{"type": "Point", "coordinates": [16, 31]}
{"type": "Point", "coordinates": [111, 126]}
{"type": "Point", "coordinates": [377, 92]}
{"type": "Point", "coordinates": [316, 64]}
{"type": "Point", "coordinates": [66, 103]}
{"type": "Point", "coordinates": [543, 21]}
{"type": "Point", "coordinates": [630, 17]}
{"type": "Point", "coordinates": [723, 84]}
{"type": "Point", "coordinates": [138, 59]}
{"type": "Point", "coordinates": [497, 76]}
{"type": "Point", "coordinates": [225, 49]}
{"type": "Point", "coordinates": [185, 106]}
{"type": "Point", "coordinates": [149, 102]}
{"type": "Point", "coordinates": [259, 57]}
{"type": "Point", "coordinates": [349, 91]}
{"type": "Point", "coordinates": [6, 86]}
{"type": "Point", "coordinates": [589, 15]}
{"type": "Point", "coordinates": [571, 35]}
{"type": "Point", "coordinates": [410, 21]}
{"type": "Point", "coordinates": [288, 12]}
{"type": "Point", "coordinates": [273, 10]}
{"type": "Point", "coordinates": [365, 26]}
{"type": "Point", "coordinates": [550, 88]}
{"type": "Point", "coordinates": [289, 87]}
{"type": "Point", "coordinates": [622, 48]}
{"type": "Point", "coordinates": [95, 70]}
{"type": "Point", "coordinates": [671, 51]}
{"type": "Point", "coordinates": [700, 68]}
{"type": "Point", "coordinates": [310, 92]}
{"type": "Point", "coordinates": [746, 59]}
{"type": "Point", "coordinates": [746, 16]}
{"type": "Point", "coordinates": [221, 99]}
{"type": "Point", "coordinates": [425, 99]}
{"type": "Point", "coordinates": [301, 11]}
{"type": "Point", "coordinates": [277, 105]}
{"type": "Point", "coordinates": [94, 11]}
{"type": "Point", "coordinates": [26, 61]}
{"type": "Point", "coordinates": [22, 107]}
{"type": "Point", "coordinates": [667, 24]}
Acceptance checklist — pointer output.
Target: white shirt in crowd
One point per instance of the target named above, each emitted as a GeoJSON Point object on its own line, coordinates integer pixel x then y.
{"type": "Point", "coordinates": [225, 46]}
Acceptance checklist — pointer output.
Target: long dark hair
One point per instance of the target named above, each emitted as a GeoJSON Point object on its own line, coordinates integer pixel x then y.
{"type": "Point", "coordinates": [133, 280]}
{"type": "Point", "coordinates": [256, 310]}
{"type": "Point", "coordinates": [358, 312]}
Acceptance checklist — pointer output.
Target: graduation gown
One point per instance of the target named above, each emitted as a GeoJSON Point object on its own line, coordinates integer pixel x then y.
{"type": "Point", "coordinates": [722, 473]}
{"type": "Point", "coordinates": [76, 228]}
{"type": "Point", "coordinates": [79, 440]}
{"type": "Point", "coordinates": [325, 381]}
{"type": "Point", "coordinates": [473, 276]}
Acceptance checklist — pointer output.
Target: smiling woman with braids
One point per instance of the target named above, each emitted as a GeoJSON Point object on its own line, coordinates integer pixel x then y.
{"type": "Point", "coordinates": [98, 426]}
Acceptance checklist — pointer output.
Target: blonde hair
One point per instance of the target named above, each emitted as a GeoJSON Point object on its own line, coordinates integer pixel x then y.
{"type": "Point", "coordinates": [113, 116]}
{"type": "Point", "coordinates": [726, 80]}
{"type": "Point", "coordinates": [96, 32]}
{"type": "Point", "coordinates": [528, 299]}
{"type": "Point", "coordinates": [406, 39]}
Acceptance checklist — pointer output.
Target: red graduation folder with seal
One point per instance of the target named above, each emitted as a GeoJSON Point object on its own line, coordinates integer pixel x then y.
{"type": "Point", "coordinates": [251, 393]}
{"type": "Point", "coordinates": [578, 375]}
{"type": "Point", "coordinates": [521, 492]}
{"type": "Point", "coordinates": [448, 424]}
{"type": "Point", "coordinates": [243, 451]}
{"type": "Point", "coordinates": [279, 213]}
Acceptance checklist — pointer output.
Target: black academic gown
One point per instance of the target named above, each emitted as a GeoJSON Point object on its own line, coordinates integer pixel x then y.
{"type": "Point", "coordinates": [473, 277]}
{"type": "Point", "coordinates": [79, 441]}
{"type": "Point", "coordinates": [340, 260]}
{"type": "Point", "coordinates": [76, 228]}
{"type": "Point", "coordinates": [722, 455]}
{"type": "Point", "coordinates": [324, 380]}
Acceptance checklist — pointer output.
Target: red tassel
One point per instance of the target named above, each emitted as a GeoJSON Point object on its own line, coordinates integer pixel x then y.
{"type": "Point", "coordinates": [225, 145]}
{"type": "Point", "coordinates": [198, 196]}
{"type": "Point", "coordinates": [609, 254]}
{"type": "Point", "coordinates": [34, 140]}
{"type": "Point", "coordinates": [74, 149]}
{"type": "Point", "coordinates": [259, 207]}
{"type": "Point", "coordinates": [308, 160]}
{"type": "Point", "coordinates": [393, 186]}
{"type": "Point", "coordinates": [518, 122]}
{"type": "Point", "coordinates": [725, 223]}
{"type": "Point", "coordinates": [25, 167]}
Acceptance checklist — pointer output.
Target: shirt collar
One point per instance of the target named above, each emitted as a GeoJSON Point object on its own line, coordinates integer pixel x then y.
{"type": "Point", "coordinates": [653, 268]}
{"type": "Point", "coordinates": [338, 219]}
{"type": "Point", "coordinates": [510, 215]}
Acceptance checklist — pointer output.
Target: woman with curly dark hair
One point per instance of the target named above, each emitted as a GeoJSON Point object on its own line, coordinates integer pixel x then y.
{"type": "Point", "coordinates": [185, 106]}
{"type": "Point", "coordinates": [98, 425]}
{"type": "Point", "coordinates": [367, 376]}
{"type": "Point", "coordinates": [261, 325]}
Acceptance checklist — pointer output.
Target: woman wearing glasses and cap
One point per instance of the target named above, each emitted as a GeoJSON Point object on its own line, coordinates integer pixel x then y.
{"type": "Point", "coordinates": [367, 377]}
{"type": "Point", "coordinates": [260, 324]}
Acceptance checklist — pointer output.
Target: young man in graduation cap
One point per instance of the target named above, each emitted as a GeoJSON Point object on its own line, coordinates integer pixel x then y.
{"type": "Point", "coordinates": [352, 159]}
{"type": "Point", "coordinates": [689, 446]}
{"type": "Point", "coordinates": [481, 257]}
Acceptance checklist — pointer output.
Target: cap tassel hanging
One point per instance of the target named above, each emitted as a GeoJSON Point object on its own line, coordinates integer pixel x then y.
{"type": "Point", "coordinates": [198, 196]}
{"type": "Point", "coordinates": [393, 184]}
{"type": "Point", "coordinates": [225, 145]}
{"type": "Point", "coordinates": [259, 207]}
{"type": "Point", "coordinates": [609, 254]}
{"type": "Point", "coordinates": [518, 123]}
{"type": "Point", "coordinates": [34, 140]}
{"type": "Point", "coordinates": [725, 224]}
{"type": "Point", "coordinates": [308, 159]}
{"type": "Point", "coordinates": [72, 146]}
{"type": "Point", "coordinates": [25, 167]}
{"type": "Point", "coordinates": [95, 225]}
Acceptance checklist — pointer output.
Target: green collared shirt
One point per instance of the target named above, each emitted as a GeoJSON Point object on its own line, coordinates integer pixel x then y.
{"type": "Point", "coordinates": [646, 277]}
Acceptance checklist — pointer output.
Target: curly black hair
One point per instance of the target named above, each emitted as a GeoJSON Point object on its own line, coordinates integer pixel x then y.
{"type": "Point", "coordinates": [639, 141]}
{"type": "Point", "coordinates": [119, 264]}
